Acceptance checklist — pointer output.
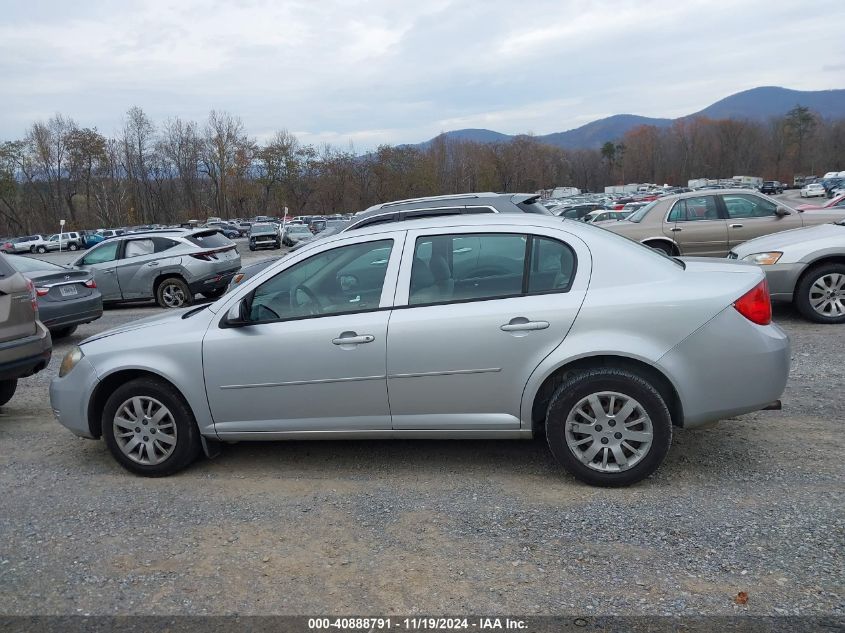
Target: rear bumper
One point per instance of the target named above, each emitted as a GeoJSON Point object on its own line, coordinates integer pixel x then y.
{"type": "Point", "coordinates": [66, 313]}
{"type": "Point", "coordinates": [728, 367]}
{"type": "Point", "coordinates": [214, 281]}
{"type": "Point", "coordinates": [26, 356]}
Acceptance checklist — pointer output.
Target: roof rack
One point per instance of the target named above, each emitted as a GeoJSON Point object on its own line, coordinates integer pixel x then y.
{"type": "Point", "coordinates": [453, 196]}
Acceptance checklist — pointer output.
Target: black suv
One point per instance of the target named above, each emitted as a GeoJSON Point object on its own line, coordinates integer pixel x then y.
{"type": "Point", "coordinates": [771, 186]}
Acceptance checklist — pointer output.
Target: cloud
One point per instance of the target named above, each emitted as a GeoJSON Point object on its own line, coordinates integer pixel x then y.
{"type": "Point", "coordinates": [382, 71]}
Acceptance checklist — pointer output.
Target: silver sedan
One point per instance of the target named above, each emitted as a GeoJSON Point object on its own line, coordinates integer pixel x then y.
{"type": "Point", "coordinates": [805, 266]}
{"type": "Point", "coordinates": [495, 326]}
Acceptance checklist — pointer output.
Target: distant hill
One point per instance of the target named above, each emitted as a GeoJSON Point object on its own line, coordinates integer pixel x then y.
{"type": "Point", "coordinates": [757, 104]}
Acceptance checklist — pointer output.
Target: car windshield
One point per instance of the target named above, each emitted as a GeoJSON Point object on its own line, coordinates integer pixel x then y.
{"type": "Point", "coordinates": [262, 229]}
{"type": "Point", "coordinates": [638, 215]}
{"type": "Point", "coordinates": [31, 265]}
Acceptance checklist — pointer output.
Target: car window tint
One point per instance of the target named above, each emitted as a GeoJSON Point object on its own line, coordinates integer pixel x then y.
{"type": "Point", "coordinates": [465, 267]}
{"type": "Point", "coordinates": [552, 266]}
{"type": "Point", "coordinates": [210, 239]}
{"type": "Point", "coordinates": [162, 244]}
{"type": "Point", "coordinates": [107, 252]}
{"type": "Point", "coordinates": [693, 209]}
{"type": "Point", "coordinates": [344, 279]}
{"type": "Point", "coordinates": [746, 206]}
{"type": "Point", "coordinates": [136, 248]}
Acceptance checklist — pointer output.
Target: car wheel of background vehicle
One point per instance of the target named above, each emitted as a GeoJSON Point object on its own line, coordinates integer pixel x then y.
{"type": "Point", "coordinates": [7, 390]}
{"type": "Point", "coordinates": [659, 246]}
{"type": "Point", "coordinates": [608, 427]}
{"type": "Point", "coordinates": [63, 332]}
{"type": "Point", "coordinates": [73, 247]}
{"type": "Point", "coordinates": [252, 247]}
{"type": "Point", "coordinates": [150, 429]}
{"type": "Point", "coordinates": [820, 294]}
{"type": "Point", "coordinates": [174, 293]}
{"type": "Point", "coordinates": [41, 249]}
{"type": "Point", "coordinates": [214, 294]}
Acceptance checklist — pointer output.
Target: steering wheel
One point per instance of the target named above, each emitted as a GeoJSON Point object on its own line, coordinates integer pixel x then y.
{"type": "Point", "coordinates": [313, 304]}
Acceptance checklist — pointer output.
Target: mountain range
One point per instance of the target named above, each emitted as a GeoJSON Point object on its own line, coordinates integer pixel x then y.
{"type": "Point", "coordinates": [757, 104]}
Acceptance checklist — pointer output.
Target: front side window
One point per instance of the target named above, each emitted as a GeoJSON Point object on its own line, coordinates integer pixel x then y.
{"type": "Point", "coordinates": [344, 279]}
{"type": "Point", "coordinates": [746, 206]}
{"type": "Point", "coordinates": [101, 254]}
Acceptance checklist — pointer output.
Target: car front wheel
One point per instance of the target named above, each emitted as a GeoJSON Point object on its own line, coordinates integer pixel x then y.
{"type": "Point", "coordinates": [149, 428]}
{"type": "Point", "coordinates": [608, 427]}
{"type": "Point", "coordinates": [7, 390]}
{"type": "Point", "coordinates": [820, 295]}
{"type": "Point", "coordinates": [41, 250]}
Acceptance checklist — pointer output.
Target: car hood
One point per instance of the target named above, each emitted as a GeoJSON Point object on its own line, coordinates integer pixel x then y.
{"type": "Point", "coordinates": [171, 317]}
{"type": "Point", "coordinates": [784, 239]}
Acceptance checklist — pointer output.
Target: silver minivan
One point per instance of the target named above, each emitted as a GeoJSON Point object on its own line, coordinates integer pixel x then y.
{"type": "Point", "coordinates": [170, 266]}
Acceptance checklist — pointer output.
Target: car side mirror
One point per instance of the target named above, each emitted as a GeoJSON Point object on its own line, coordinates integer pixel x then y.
{"type": "Point", "coordinates": [238, 314]}
{"type": "Point", "coordinates": [781, 212]}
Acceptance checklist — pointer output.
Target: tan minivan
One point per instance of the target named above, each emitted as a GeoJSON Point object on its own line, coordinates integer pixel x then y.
{"type": "Point", "coordinates": [25, 343]}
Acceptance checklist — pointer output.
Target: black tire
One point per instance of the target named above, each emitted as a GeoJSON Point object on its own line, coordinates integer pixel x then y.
{"type": "Point", "coordinates": [277, 246]}
{"type": "Point", "coordinates": [7, 390]}
{"type": "Point", "coordinates": [214, 294]}
{"type": "Point", "coordinates": [188, 443]}
{"type": "Point", "coordinates": [581, 385]}
{"type": "Point", "coordinates": [175, 285]}
{"type": "Point", "coordinates": [662, 247]}
{"type": "Point", "coordinates": [63, 332]}
{"type": "Point", "coordinates": [41, 249]}
{"type": "Point", "coordinates": [73, 247]}
{"type": "Point", "coordinates": [252, 247]}
{"type": "Point", "coordinates": [802, 292]}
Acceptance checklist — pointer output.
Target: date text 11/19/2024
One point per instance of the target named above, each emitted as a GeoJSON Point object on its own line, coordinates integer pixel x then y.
{"type": "Point", "coordinates": [417, 624]}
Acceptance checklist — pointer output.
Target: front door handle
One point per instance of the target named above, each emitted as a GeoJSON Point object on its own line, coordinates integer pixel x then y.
{"type": "Point", "coordinates": [676, 229]}
{"type": "Point", "coordinates": [736, 226]}
{"type": "Point", "coordinates": [520, 324]}
{"type": "Point", "coordinates": [350, 338]}
{"type": "Point", "coordinates": [152, 264]}
{"type": "Point", "coordinates": [108, 271]}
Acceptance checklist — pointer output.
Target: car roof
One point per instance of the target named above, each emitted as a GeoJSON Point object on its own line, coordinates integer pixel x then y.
{"type": "Point", "coordinates": [459, 198]}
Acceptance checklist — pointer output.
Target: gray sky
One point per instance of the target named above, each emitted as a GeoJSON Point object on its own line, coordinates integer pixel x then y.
{"type": "Point", "coordinates": [396, 71]}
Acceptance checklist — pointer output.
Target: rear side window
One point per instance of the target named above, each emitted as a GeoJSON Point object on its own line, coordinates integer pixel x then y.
{"type": "Point", "coordinates": [162, 244]}
{"type": "Point", "coordinates": [468, 267]}
{"type": "Point", "coordinates": [693, 209]}
{"type": "Point", "coordinates": [209, 239]}
{"type": "Point", "coordinates": [137, 248]}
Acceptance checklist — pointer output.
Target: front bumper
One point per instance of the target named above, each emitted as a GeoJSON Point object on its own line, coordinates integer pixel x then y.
{"type": "Point", "coordinates": [67, 313]}
{"type": "Point", "coordinates": [782, 279]}
{"type": "Point", "coordinates": [728, 367]}
{"type": "Point", "coordinates": [70, 395]}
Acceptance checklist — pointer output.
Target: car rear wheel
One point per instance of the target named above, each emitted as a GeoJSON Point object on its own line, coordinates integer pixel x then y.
{"type": "Point", "coordinates": [174, 293]}
{"type": "Point", "coordinates": [820, 295]}
{"type": "Point", "coordinates": [7, 390]}
{"type": "Point", "coordinates": [608, 427]}
{"type": "Point", "coordinates": [662, 247]}
{"type": "Point", "coordinates": [41, 250]}
{"type": "Point", "coordinates": [72, 247]}
{"type": "Point", "coordinates": [63, 332]}
{"type": "Point", "coordinates": [149, 428]}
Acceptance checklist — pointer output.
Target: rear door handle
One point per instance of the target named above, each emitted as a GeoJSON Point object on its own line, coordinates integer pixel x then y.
{"type": "Point", "coordinates": [676, 229]}
{"type": "Point", "coordinates": [524, 326]}
{"type": "Point", "coordinates": [354, 339]}
{"type": "Point", "coordinates": [736, 226]}
{"type": "Point", "coordinates": [152, 264]}
{"type": "Point", "coordinates": [109, 271]}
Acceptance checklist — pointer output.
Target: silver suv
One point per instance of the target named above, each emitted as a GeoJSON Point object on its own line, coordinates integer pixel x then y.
{"type": "Point", "coordinates": [170, 266]}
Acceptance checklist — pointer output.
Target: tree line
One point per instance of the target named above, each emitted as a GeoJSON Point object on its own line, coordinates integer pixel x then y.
{"type": "Point", "coordinates": [178, 170]}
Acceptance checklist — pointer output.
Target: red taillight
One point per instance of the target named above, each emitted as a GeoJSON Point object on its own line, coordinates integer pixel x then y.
{"type": "Point", "coordinates": [90, 284]}
{"type": "Point", "coordinates": [755, 305]}
{"type": "Point", "coordinates": [33, 297]}
{"type": "Point", "coordinates": [42, 291]}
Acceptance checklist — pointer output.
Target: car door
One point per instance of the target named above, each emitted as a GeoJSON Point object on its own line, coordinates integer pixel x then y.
{"type": "Point", "coordinates": [140, 264]}
{"type": "Point", "coordinates": [472, 319]}
{"type": "Point", "coordinates": [102, 262]}
{"type": "Point", "coordinates": [312, 356]}
{"type": "Point", "coordinates": [697, 227]}
{"type": "Point", "coordinates": [751, 216]}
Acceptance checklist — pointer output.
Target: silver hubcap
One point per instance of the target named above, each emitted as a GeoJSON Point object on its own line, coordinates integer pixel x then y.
{"type": "Point", "coordinates": [173, 296]}
{"type": "Point", "coordinates": [145, 430]}
{"type": "Point", "coordinates": [609, 431]}
{"type": "Point", "coordinates": [827, 295]}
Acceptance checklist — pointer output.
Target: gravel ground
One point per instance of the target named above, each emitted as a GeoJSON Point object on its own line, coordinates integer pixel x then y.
{"type": "Point", "coordinates": [439, 527]}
